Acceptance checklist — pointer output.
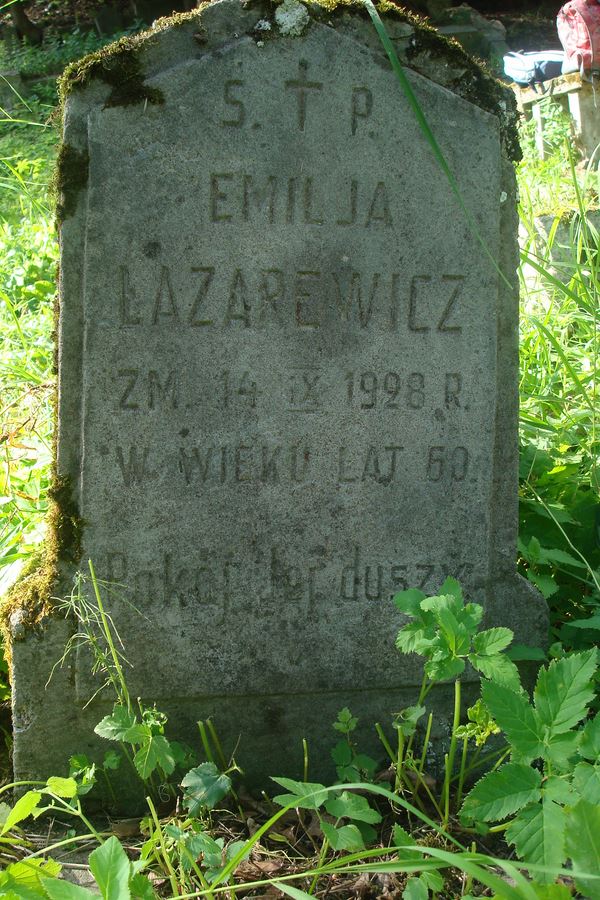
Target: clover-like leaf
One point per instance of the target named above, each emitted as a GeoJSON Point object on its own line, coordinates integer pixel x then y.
{"type": "Point", "coordinates": [348, 837]}
{"type": "Point", "coordinates": [352, 806]}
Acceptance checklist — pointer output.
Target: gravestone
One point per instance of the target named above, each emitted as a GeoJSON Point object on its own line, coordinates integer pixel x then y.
{"type": "Point", "coordinates": [288, 375]}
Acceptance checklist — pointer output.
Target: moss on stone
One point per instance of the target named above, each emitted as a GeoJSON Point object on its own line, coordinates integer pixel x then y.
{"type": "Point", "coordinates": [117, 65]}
{"type": "Point", "coordinates": [70, 177]}
{"type": "Point", "coordinates": [31, 598]}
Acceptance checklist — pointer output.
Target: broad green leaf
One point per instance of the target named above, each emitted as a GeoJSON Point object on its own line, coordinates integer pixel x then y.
{"type": "Point", "coordinates": [492, 641]}
{"type": "Point", "coordinates": [520, 652]}
{"type": "Point", "coordinates": [121, 725]}
{"type": "Point", "coordinates": [502, 793]}
{"type": "Point", "coordinates": [497, 667]}
{"type": "Point", "coordinates": [203, 787]}
{"type": "Point", "coordinates": [141, 888]}
{"type": "Point", "coordinates": [544, 583]}
{"type": "Point", "coordinates": [538, 834]}
{"type": "Point", "coordinates": [348, 837]}
{"type": "Point", "coordinates": [583, 847]}
{"type": "Point", "coordinates": [561, 748]}
{"type": "Point", "coordinates": [154, 753]}
{"type": "Point", "coordinates": [110, 867]}
{"type": "Point", "coordinates": [515, 716]}
{"type": "Point", "coordinates": [563, 690]}
{"type": "Point", "coordinates": [64, 890]}
{"type": "Point", "coordinates": [433, 880]}
{"type": "Point", "coordinates": [406, 720]}
{"type": "Point", "coordinates": [452, 586]}
{"type": "Point", "coordinates": [414, 638]}
{"type": "Point", "coordinates": [590, 739]}
{"type": "Point", "coordinates": [62, 787]}
{"type": "Point", "coordinates": [559, 790]}
{"type": "Point", "coordinates": [409, 601]}
{"type": "Point", "coordinates": [444, 669]}
{"type": "Point", "coordinates": [415, 889]}
{"type": "Point", "coordinates": [593, 623]}
{"type": "Point", "coordinates": [404, 840]}
{"type": "Point", "coordinates": [352, 806]}
{"type": "Point", "coordinates": [316, 793]}
{"type": "Point", "coordinates": [342, 753]}
{"type": "Point", "coordinates": [586, 781]}
{"type": "Point", "coordinates": [30, 875]}
{"type": "Point", "coordinates": [23, 808]}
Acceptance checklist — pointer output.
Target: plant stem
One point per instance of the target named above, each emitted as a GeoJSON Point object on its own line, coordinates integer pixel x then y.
{"type": "Point", "coordinates": [109, 638]}
{"type": "Point", "coordinates": [451, 754]}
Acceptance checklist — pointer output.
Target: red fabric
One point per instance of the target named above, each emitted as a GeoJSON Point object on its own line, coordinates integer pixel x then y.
{"type": "Point", "coordinates": [578, 24]}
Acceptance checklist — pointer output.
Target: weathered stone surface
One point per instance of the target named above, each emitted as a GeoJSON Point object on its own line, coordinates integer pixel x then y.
{"type": "Point", "coordinates": [288, 377]}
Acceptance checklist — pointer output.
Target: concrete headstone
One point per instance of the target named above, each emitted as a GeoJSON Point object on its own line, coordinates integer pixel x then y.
{"type": "Point", "coordinates": [288, 374]}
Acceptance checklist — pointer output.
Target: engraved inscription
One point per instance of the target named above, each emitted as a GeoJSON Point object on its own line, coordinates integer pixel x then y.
{"type": "Point", "coordinates": [245, 464]}
{"type": "Point", "coordinates": [148, 390]}
{"type": "Point", "coordinates": [305, 298]}
{"type": "Point", "coordinates": [303, 87]}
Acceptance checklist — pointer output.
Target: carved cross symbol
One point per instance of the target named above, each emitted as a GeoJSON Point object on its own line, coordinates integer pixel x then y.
{"type": "Point", "coordinates": [303, 86]}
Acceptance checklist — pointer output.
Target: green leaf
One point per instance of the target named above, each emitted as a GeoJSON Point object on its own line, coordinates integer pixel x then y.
{"type": "Point", "coordinates": [342, 753]}
{"type": "Point", "coordinates": [586, 781]}
{"type": "Point", "coordinates": [520, 652]}
{"type": "Point", "coordinates": [110, 867]}
{"type": "Point", "coordinates": [563, 690]}
{"type": "Point", "coordinates": [414, 638]}
{"type": "Point", "coordinates": [111, 761]}
{"type": "Point", "coordinates": [502, 793]}
{"type": "Point", "coordinates": [552, 891]}
{"type": "Point", "coordinates": [409, 601]}
{"type": "Point", "coordinates": [154, 753]}
{"type": "Point", "coordinates": [348, 837]}
{"type": "Point", "coordinates": [121, 725]}
{"type": "Point", "coordinates": [516, 717]}
{"type": "Point", "coordinates": [141, 887]}
{"type": "Point", "coordinates": [558, 789]}
{"type": "Point", "coordinates": [404, 840]}
{"type": "Point", "coordinates": [444, 669]}
{"type": "Point", "coordinates": [62, 787]}
{"type": "Point", "coordinates": [352, 806]}
{"type": "Point", "coordinates": [452, 586]}
{"type": "Point", "coordinates": [592, 623]}
{"type": "Point", "coordinates": [561, 748]}
{"type": "Point", "coordinates": [544, 583]}
{"type": "Point", "coordinates": [293, 892]}
{"type": "Point", "coordinates": [583, 847]}
{"type": "Point", "coordinates": [492, 641]}
{"type": "Point", "coordinates": [415, 889]}
{"type": "Point", "coordinates": [64, 890]}
{"type": "Point", "coordinates": [590, 739]}
{"type": "Point", "coordinates": [498, 668]}
{"type": "Point", "coordinates": [345, 721]}
{"type": "Point", "coordinates": [203, 787]}
{"type": "Point", "coordinates": [406, 720]}
{"type": "Point", "coordinates": [538, 834]}
{"type": "Point", "coordinates": [23, 808]}
{"type": "Point", "coordinates": [303, 794]}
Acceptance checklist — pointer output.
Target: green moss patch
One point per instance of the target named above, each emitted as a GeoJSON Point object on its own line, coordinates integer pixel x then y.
{"type": "Point", "coordinates": [117, 65]}
{"type": "Point", "coordinates": [70, 177]}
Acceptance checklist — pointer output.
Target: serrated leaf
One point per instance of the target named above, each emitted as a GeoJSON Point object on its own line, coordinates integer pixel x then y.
{"type": "Point", "coordinates": [502, 793]}
{"type": "Point", "coordinates": [538, 834]}
{"type": "Point", "coordinates": [348, 837]}
{"type": "Point", "coordinates": [121, 725]}
{"type": "Point", "coordinates": [444, 669]}
{"type": "Point", "coordinates": [141, 887]}
{"type": "Point", "coordinates": [342, 753]}
{"type": "Point", "coordinates": [544, 583]}
{"type": "Point", "coordinates": [62, 787]}
{"type": "Point", "coordinates": [452, 586]}
{"type": "Point", "coordinates": [203, 787]}
{"type": "Point", "coordinates": [409, 601]}
{"type": "Point", "coordinates": [415, 890]}
{"type": "Point", "coordinates": [561, 748]}
{"type": "Point", "coordinates": [515, 716]}
{"type": "Point", "coordinates": [352, 806]}
{"type": "Point", "coordinates": [154, 753]}
{"type": "Point", "coordinates": [404, 840]}
{"type": "Point", "coordinates": [493, 640]}
{"type": "Point", "coordinates": [563, 690]}
{"type": "Point", "coordinates": [110, 867]}
{"type": "Point", "coordinates": [498, 668]}
{"type": "Point", "coordinates": [23, 808]}
{"type": "Point", "coordinates": [586, 781]}
{"type": "Point", "coordinates": [589, 746]}
{"type": "Point", "coordinates": [559, 790]}
{"type": "Point", "coordinates": [304, 794]}
{"type": "Point", "coordinates": [414, 638]}
{"type": "Point", "coordinates": [583, 847]}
